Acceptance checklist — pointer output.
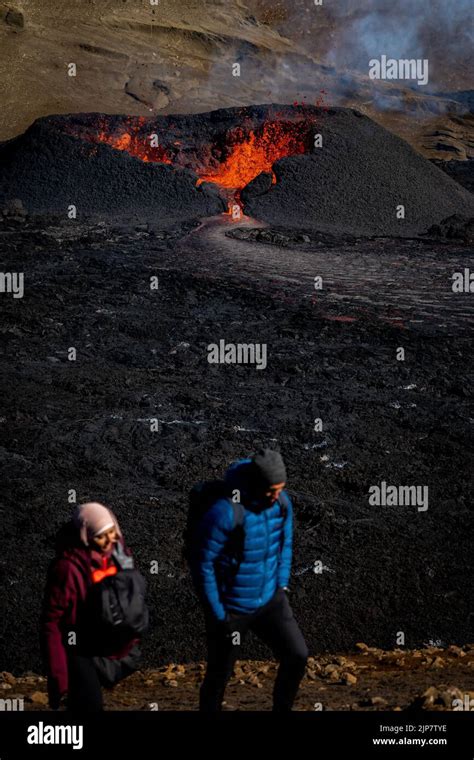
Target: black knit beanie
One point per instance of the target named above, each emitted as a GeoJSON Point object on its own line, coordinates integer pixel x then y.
{"type": "Point", "coordinates": [266, 469]}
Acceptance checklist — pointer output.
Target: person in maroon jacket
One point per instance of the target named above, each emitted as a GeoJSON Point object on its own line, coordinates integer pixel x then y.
{"type": "Point", "coordinates": [78, 662]}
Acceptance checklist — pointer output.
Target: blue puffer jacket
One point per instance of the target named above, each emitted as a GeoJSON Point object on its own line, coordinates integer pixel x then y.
{"type": "Point", "coordinates": [266, 561]}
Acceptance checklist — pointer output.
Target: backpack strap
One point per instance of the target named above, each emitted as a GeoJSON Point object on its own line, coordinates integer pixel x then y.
{"type": "Point", "coordinates": [284, 503]}
{"type": "Point", "coordinates": [235, 544]}
{"type": "Point", "coordinates": [239, 513]}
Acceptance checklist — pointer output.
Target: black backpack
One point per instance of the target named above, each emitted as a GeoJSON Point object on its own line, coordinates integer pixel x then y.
{"type": "Point", "coordinates": [116, 608]}
{"type": "Point", "coordinates": [201, 498]}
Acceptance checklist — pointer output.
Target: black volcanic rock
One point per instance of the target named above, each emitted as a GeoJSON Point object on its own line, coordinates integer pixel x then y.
{"type": "Point", "coordinates": [85, 425]}
{"type": "Point", "coordinates": [49, 170]}
{"type": "Point", "coordinates": [258, 186]}
{"type": "Point", "coordinates": [455, 227]}
{"type": "Point", "coordinates": [356, 181]}
{"type": "Point", "coordinates": [460, 171]}
{"type": "Point", "coordinates": [353, 184]}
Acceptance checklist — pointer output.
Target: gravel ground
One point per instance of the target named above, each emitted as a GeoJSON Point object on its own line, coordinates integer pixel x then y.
{"type": "Point", "coordinates": [366, 680]}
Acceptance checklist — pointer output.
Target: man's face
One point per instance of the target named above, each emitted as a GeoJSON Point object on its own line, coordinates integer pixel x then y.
{"type": "Point", "coordinates": [272, 494]}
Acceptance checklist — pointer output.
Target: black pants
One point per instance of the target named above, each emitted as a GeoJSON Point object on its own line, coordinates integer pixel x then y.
{"type": "Point", "coordinates": [275, 625]}
{"type": "Point", "coordinates": [88, 674]}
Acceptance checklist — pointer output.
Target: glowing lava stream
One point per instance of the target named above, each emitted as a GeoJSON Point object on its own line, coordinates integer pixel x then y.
{"type": "Point", "coordinates": [254, 153]}
{"type": "Point", "coordinates": [245, 153]}
{"type": "Point", "coordinates": [135, 147]}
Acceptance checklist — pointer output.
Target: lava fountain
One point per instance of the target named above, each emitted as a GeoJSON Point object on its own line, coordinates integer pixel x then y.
{"type": "Point", "coordinates": [229, 153]}
{"type": "Point", "coordinates": [255, 152]}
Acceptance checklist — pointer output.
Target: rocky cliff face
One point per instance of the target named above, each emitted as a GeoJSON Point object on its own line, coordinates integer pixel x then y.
{"type": "Point", "coordinates": [179, 56]}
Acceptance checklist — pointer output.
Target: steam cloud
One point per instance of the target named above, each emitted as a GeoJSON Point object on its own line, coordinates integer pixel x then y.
{"type": "Point", "coordinates": [348, 33]}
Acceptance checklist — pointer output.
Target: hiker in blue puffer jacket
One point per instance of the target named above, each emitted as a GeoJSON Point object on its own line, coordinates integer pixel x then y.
{"type": "Point", "coordinates": [247, 589]}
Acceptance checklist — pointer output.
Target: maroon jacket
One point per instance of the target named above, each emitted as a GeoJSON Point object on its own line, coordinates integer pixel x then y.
{"type": "Point", "coordinates": [69, 578]}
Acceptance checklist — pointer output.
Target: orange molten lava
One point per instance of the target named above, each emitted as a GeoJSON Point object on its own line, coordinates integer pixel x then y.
{"type": "Point", "coordinates": [134, 139]}
{"type": "Point", "coordinates": [256, 152]}
{"type": "Point", "coordinates": [246, 153]}
{"type": "Point", "coordinates": [134, 144]}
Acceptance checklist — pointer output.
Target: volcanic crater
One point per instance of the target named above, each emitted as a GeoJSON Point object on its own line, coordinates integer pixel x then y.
{"type": "Point", "coordinates": [331, 169]}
